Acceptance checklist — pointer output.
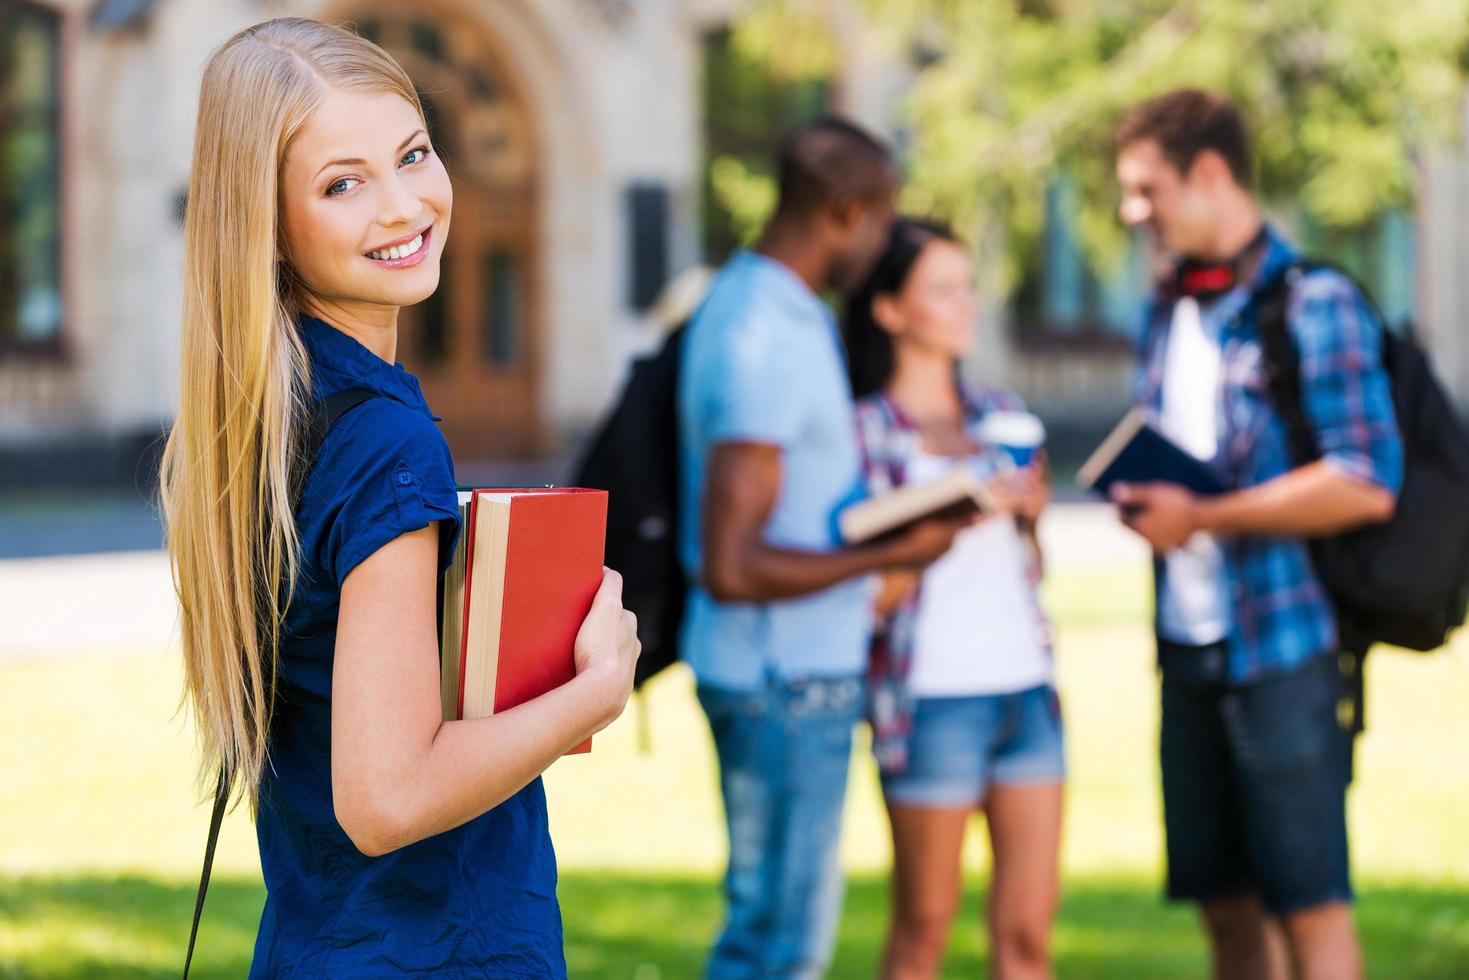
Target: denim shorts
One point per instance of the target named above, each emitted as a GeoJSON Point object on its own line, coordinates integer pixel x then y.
{"type": "Point", "coordinates": [1254, 782]}
{"type": "Point", "coordinates": [960, 746]}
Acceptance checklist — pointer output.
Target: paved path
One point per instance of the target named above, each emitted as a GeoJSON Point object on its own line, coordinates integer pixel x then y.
{"type": "Point", "coordinates": [122, 603]}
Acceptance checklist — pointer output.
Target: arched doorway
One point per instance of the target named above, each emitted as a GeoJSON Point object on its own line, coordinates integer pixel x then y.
{"type": "Point", "coordinates": [474, 344]}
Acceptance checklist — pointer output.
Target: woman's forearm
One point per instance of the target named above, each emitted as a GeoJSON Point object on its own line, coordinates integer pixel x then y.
{"type": "Point", "coordinates": [399, 772]}
{"type": "Point", "coordinates": [465, 768]}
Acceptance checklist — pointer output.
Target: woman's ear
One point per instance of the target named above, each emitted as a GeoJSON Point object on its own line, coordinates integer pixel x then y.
{"type": "Point", "coordinates": [886, 314]}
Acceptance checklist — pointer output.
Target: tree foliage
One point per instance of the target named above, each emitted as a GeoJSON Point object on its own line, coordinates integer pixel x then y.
{"type": "Point", "coordinates": [1342, 96]}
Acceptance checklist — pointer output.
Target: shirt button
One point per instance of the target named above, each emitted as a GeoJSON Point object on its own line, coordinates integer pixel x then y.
{"type": "Point", "coordinates": [405, 478]}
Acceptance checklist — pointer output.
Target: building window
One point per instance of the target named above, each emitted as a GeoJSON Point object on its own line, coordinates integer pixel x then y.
{"type": "Point", "coordinates": [500, 328]}
{"type": "Point", "coordinates": [30, 178]}
{"type": "Point", "coordinates": [1063, 296]}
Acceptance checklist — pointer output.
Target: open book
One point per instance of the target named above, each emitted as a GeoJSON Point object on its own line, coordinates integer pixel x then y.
{"type": "Point", "coordinates": [1137, 452]}
{"type": "Point", "coordinates": [959, 493]}
{"type": "Point", "coordinates": [524, 573]}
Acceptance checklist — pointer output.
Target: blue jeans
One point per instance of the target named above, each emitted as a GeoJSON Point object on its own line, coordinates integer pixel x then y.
{"type": "Point", "coordinates": [783, 757]}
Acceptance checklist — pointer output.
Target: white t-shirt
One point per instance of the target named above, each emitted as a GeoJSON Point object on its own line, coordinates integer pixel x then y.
{"type": "Point", "coordinates": [1193, 604]}
{"type": "Point", "coordinates": [978, 628]}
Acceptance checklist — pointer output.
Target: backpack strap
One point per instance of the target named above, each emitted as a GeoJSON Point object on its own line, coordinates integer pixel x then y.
{"type": "Point", "coordinates": [1283, 375]}
{"type": "Point", "coordinates": [324, 415]}
{"type": "Point", "coordinates": [1282, 357]}
{"type": "Point", "coordinates": [1282, 361]}
{"type": "Point", "coordinates": [221, 795]}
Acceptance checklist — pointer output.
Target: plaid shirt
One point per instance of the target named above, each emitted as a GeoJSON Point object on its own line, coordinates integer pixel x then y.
{"type": "Point", "coordinates": [1281, 613]}
{"type": "Point", "coordinates": [888, 443]}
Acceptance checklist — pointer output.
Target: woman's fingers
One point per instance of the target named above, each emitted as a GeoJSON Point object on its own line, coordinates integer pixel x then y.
{"type": "Point", "coordinates": [610, 591]}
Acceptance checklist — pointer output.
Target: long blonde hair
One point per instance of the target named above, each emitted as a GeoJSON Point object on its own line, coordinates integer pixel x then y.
{"type": "Point", "coordinates": [230, 461]}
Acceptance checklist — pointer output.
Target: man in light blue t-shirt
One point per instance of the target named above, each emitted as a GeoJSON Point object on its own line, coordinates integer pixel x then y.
{"type": "Point", "coordinates": [779, 615]}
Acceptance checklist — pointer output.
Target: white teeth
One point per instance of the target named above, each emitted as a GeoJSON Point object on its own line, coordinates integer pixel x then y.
{"type": "Point", "coordinates": [397, 251]}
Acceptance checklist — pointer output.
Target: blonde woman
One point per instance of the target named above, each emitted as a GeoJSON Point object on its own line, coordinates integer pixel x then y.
{"type": "Point", "coordinates": [391, 842]}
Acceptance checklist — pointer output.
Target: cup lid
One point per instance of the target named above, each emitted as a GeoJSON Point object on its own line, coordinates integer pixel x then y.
{"type": "Point", "coordinates": [1021, 429]}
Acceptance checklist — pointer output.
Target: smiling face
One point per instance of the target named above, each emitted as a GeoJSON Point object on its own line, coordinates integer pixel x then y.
{"type": "Point", "coordinates": [365, 204]}
{"type": "Point", "coordinates": [936, 306]}
{"type": "Point", "coordinates": [1179, 210]}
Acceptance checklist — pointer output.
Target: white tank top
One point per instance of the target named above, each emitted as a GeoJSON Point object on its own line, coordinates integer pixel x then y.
{"type": "Point", "coordinates": [978, 628]}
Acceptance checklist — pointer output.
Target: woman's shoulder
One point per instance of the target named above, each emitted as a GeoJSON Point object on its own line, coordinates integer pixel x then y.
{"type": "Point", "coordinates": [382, 433]}
{"type": "Point", "coordinates": [383, 469]}
{"type": "Point", "coordinates": [387, 423]}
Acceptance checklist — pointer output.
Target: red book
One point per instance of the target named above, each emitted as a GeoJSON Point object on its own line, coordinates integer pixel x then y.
{"type": "Point", "coordinates": [523, 578]}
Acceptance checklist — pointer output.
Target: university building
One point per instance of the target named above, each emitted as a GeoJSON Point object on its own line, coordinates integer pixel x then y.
{"type": "Point", "coordinates": [579, 134]}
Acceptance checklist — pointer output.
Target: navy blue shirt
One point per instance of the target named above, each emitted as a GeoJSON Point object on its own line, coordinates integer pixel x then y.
{"type": "Point", "coordinates": [478, 900]}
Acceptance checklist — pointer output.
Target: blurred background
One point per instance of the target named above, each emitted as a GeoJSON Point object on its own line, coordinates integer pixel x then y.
{"type": "Point", "coordinates": [600, 148]}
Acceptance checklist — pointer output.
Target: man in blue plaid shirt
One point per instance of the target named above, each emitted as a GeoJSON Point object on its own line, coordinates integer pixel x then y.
{"type": "Point", "coordinates": [1257, 725]}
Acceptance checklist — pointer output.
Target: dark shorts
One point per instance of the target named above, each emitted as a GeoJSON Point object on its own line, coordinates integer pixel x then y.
{"type": "Point", "coordinates": [1254, 782]}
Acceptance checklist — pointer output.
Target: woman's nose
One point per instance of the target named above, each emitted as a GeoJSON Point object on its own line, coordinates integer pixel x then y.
{"type": "Point", "coordinates": [398, 204]}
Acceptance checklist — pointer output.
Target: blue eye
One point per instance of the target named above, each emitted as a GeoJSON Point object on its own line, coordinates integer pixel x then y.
{"type": "Point", "coordinates": [415, 155]}
{"type": "Point", "coordinates": [341, 186]}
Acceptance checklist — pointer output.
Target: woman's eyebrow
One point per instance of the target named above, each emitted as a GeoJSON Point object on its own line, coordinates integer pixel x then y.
{"type": "Point", "coordinates": [355, 161]}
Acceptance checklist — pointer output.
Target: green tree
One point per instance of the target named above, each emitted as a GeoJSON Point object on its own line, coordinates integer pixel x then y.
{"type": "Point", "coordinates": [1342, 96]}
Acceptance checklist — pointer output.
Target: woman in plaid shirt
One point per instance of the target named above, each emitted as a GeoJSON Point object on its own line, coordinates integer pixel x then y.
{"type": "Point", "coordinates": [964, 715]}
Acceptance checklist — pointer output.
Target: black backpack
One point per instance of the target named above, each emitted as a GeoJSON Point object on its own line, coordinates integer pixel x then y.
{"type": "Point", "coordinates": [1404, 582]}
{"type": "Point", "coordinates": [634, 457]}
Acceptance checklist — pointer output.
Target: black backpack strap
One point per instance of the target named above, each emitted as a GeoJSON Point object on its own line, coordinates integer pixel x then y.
{"type": "Point", "coordinates": [324, 415]}
{"type": "Point", "coordinates": [1283, 373]}
{"type": "Point", "coordinates": [1282, 358]}
{"type": "Point", "coordinates": [221, 795]}
{"type": "Point", "coordinates": [1283, 362]}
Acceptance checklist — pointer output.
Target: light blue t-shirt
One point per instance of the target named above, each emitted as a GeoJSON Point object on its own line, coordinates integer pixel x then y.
{"type": "Point", "coordinates": [763, 362]}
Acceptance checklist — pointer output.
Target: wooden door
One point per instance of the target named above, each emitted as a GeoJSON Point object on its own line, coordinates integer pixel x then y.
{"type": "Point", "coordinates": [474, 345]}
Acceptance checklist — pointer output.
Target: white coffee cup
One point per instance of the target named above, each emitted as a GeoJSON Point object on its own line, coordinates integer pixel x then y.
{"type": "Point", "coordinates": [1019, 434]}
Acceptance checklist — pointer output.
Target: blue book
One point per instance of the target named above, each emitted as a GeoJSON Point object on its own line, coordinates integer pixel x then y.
{"type": "Point", "coordinates": [1136, 452]}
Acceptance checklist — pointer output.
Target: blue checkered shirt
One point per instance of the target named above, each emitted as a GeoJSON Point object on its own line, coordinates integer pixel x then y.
{"type": "Point", "coordinates": [1282, 615]}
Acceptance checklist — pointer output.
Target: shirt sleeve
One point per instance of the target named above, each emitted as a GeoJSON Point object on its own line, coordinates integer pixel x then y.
{"type": "Point", "coordinates": [1345, 391]}
{"type": "Point", "coordinates": [387, 471]}
{"type": "Point", "coordinates": [754, 394]}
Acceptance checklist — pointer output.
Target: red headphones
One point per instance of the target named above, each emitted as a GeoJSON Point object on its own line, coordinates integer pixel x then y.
{"type": "Point", "coordinates": [1210, 280]}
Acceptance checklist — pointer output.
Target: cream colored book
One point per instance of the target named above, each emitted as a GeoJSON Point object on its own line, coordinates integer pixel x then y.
{"type": "Point", "coordinates": [958, 492]}
{"type": "Point", "coordinates": [451, 615]}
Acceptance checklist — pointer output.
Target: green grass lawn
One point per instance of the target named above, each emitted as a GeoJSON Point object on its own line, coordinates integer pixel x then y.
{"type": "Point", "coordinates": [101, 828]}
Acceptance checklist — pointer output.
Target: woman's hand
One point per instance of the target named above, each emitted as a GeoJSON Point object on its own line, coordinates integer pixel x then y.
{"type": "Point", "coordinates": [401, 773]}
{"type": "Point", "coordinates": [1031, 489]}
{"type": "Point", "coordinates": [607, 646]}
{"type": "Point", "coordinates": [896, 585]}
{"type": "Point", "coordinates": [1025, 492]}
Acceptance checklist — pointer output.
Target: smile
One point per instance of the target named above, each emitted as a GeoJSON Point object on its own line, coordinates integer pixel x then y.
{"type": "Point", "coordinates": [401, 254]}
